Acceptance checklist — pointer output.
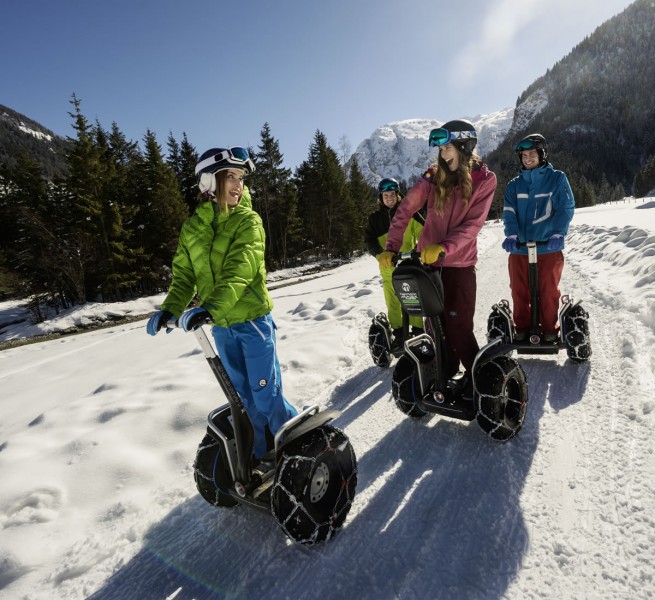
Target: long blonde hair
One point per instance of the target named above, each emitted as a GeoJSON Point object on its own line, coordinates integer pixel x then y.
{"type": "Point", "coordinates": [444, 181]}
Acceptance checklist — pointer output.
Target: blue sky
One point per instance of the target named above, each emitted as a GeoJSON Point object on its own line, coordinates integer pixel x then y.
{"type": "Point", "coordinates": [219, 70]}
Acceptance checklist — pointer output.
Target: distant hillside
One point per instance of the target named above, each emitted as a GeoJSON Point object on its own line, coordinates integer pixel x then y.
{"type": "Point", "coordinates": [21, 134]}
{"type": "Point", "coordinates": [596, 106]}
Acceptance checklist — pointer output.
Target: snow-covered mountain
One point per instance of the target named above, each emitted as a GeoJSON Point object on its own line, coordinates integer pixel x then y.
{"type": "Point", "coordinates": [400, 149]}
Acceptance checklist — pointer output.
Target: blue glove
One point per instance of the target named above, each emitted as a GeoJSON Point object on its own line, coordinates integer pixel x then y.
{"type": "Point", "coordinates": [157, 321]}
{"type": "Point", "coordinates": [555, 243]}
{"type": "Point", "coordinates": [510, 244]}
{"type": "Point", "coordinates": [194, 318]}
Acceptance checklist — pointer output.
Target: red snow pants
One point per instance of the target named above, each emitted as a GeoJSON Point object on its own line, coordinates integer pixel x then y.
{"type": "Point", "coordinates": [549, 269]}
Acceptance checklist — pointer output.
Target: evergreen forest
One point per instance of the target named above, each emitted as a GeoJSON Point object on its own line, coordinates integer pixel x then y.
{"type": "Point", "coordinates": [107, 229]}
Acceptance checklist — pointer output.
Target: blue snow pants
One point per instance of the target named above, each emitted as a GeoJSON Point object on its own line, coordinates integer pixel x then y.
{"type": "Point", "coordinates": [249, 355]}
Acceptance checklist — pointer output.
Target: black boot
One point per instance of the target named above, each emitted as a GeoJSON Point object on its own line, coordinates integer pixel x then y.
{"type": "Point", "coordinates": [467, 390]}
{"type": "Point", "coordinates": [397, 340]}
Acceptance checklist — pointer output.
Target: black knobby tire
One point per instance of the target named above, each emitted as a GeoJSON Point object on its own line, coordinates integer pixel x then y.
{"type": "Point", "coordinates": [405, 387]}
{"type": "Point", "coordinates": [497, 327]}
{"type": "Point", "coordinates": [314, 485]}
{"type": "Point", "coordinates": [502, 395]}
{"type": "Point", "coordinates": [211, 473]}
{"type": "Point", "coordinates": [576, 334]}
{"type": "Point", "coordinates": [378, 346]}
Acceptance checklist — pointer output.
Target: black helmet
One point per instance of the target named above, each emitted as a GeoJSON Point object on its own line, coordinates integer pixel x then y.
{"type": "Point", "coordinates": [459, 132]}
{"type": "Point", "coordinates": [534, 141]}
{"type": "Point", "coordinates": [388, 184]}
{"type": "Point", "coordinates": [218, 159]}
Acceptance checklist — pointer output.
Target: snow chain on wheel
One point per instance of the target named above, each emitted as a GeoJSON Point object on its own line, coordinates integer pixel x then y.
{"type": "Point", "coordinates": [576, 334]}
{"type": "Point", "coordinates": [377, 345]}
{"type": "Point", "coordinates": [211, 474]}
{"type": "Point", "coordinates": [502, 391]}
{"type": "Point", "coordinates": [497, 327]}
{"type": "Point", "coordinates": [405, 387]}
{"type": "Point", "coordinates": [314, 485]}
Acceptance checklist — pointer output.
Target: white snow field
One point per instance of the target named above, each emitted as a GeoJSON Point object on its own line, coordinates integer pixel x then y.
{"type": "Point", "coordinates": [98, 433]}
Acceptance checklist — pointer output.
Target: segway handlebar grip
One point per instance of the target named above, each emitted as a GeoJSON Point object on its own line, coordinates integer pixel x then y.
{"type": "Point", "coordinates": [531, 242]}
{"type": "Point", "coordinates": [414, 255]}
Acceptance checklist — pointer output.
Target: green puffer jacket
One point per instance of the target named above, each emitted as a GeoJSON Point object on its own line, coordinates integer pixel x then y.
{"type": "Point", "coordinates": [221, 257]}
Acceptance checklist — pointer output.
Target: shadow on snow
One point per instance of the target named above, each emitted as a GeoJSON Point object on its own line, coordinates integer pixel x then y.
{"type": "Point", "coordinates": [437, 515]}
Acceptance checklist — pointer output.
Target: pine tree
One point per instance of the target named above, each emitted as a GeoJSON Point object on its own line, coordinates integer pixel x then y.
{"type": "Point", "coordinates": [88, 235]}
{"type": "Point", "coordinates": [183, 158]}
{"type": "Point", "coordinates": [324, 201]}
{"type": "Point", "coordinates": [364, 200]}
{"type": "Point", "coordinates": [161, 212]}
{"type": "Point", "coordinates": [644, 180]}
{"type": "Point", "coordinates": [618, 193]}
{"type": "Point", "coordinates": [605, 190]}
{"type": "Point", "coordinates": [274, 198]}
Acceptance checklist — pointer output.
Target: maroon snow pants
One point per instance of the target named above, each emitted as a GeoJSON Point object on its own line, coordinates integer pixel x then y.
{"type": "Point", "coordinates": [460, 288]}
{"type": "Point", "coordinates": [549, 269]}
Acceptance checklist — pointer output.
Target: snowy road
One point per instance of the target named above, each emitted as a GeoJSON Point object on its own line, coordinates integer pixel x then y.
{"type": "Point", "coordinates": [99, 430]}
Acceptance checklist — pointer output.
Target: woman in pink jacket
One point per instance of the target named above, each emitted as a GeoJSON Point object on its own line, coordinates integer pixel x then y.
{"type": "Point", "coordinates": [458, 189]}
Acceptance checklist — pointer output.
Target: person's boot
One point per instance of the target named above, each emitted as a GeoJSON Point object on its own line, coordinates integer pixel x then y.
{"type": "Point", "coordinates": [397, 340]}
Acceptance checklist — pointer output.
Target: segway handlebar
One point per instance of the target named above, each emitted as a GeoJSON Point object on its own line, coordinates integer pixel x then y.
{"type": "Point", "coordinates": [200, 334]}
{"type": "Point", "coordinates": [531, 242]}
{"type": "Point", "coordinates": [414, 255]}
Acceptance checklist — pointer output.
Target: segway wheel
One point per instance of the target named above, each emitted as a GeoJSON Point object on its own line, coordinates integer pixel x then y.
{"type": "Point", "coordinates": [502, 395]}
{"type": "Point", "coordinates": [377, 345]}
{"type": "Point", "coordinates": [576, 334]}
{"type": "Point", "coordinates": [405, 388]}
{"type": "Point", "coordinates": [497, 327]}
{"type": "Point", "coordinates": [314, 485]}
{"type": "Point", "coordinates": [211, 473]}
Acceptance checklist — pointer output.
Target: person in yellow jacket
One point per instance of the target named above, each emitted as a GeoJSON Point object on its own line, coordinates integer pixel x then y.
{"type": "Point", "coordinates": [375, 237]}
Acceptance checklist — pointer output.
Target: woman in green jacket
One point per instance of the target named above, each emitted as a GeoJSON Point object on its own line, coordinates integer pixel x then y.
{"type": "Point", "coordinates": [220, 257]}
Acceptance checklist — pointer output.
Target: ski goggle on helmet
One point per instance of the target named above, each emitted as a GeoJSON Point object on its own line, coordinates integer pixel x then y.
{"type": "Point", "coordinates": [533, 141]}
{"type": "Point", "coordinates": [388, 185]}
{"type": "Point", "coordinates": [219, 159]}
{"type": "Point", "coordinates": [442, 136]}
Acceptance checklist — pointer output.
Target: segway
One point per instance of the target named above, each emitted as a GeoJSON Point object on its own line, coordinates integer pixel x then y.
{"type": "Point", "coordinates": [499, 396]}
{"type": "Point", "coordinates": [572, 319]}
{"type": "Point", "coordinates": [307, 479]}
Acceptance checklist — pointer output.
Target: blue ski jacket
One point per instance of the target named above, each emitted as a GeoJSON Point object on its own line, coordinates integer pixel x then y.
{"type": "Point", "coordinates": [538, 204]}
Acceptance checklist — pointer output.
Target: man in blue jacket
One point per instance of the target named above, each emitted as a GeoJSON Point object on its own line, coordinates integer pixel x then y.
{"type": "Point", "coordinates": [538, 207]}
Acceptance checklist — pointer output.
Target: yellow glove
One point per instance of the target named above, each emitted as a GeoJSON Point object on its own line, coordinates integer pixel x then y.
{"type": "Point", "coordinates": [384, 258]}
{"type": "Point", "coordinates": [431, 254]}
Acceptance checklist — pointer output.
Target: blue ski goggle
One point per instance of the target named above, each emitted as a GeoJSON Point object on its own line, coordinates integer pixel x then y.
{"type": "Point", "coordinates": [388, 185]}
{"type": "Point", "coordinates": [528, 144]}
{"type": "Point", "coordinates": [441, 136]}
